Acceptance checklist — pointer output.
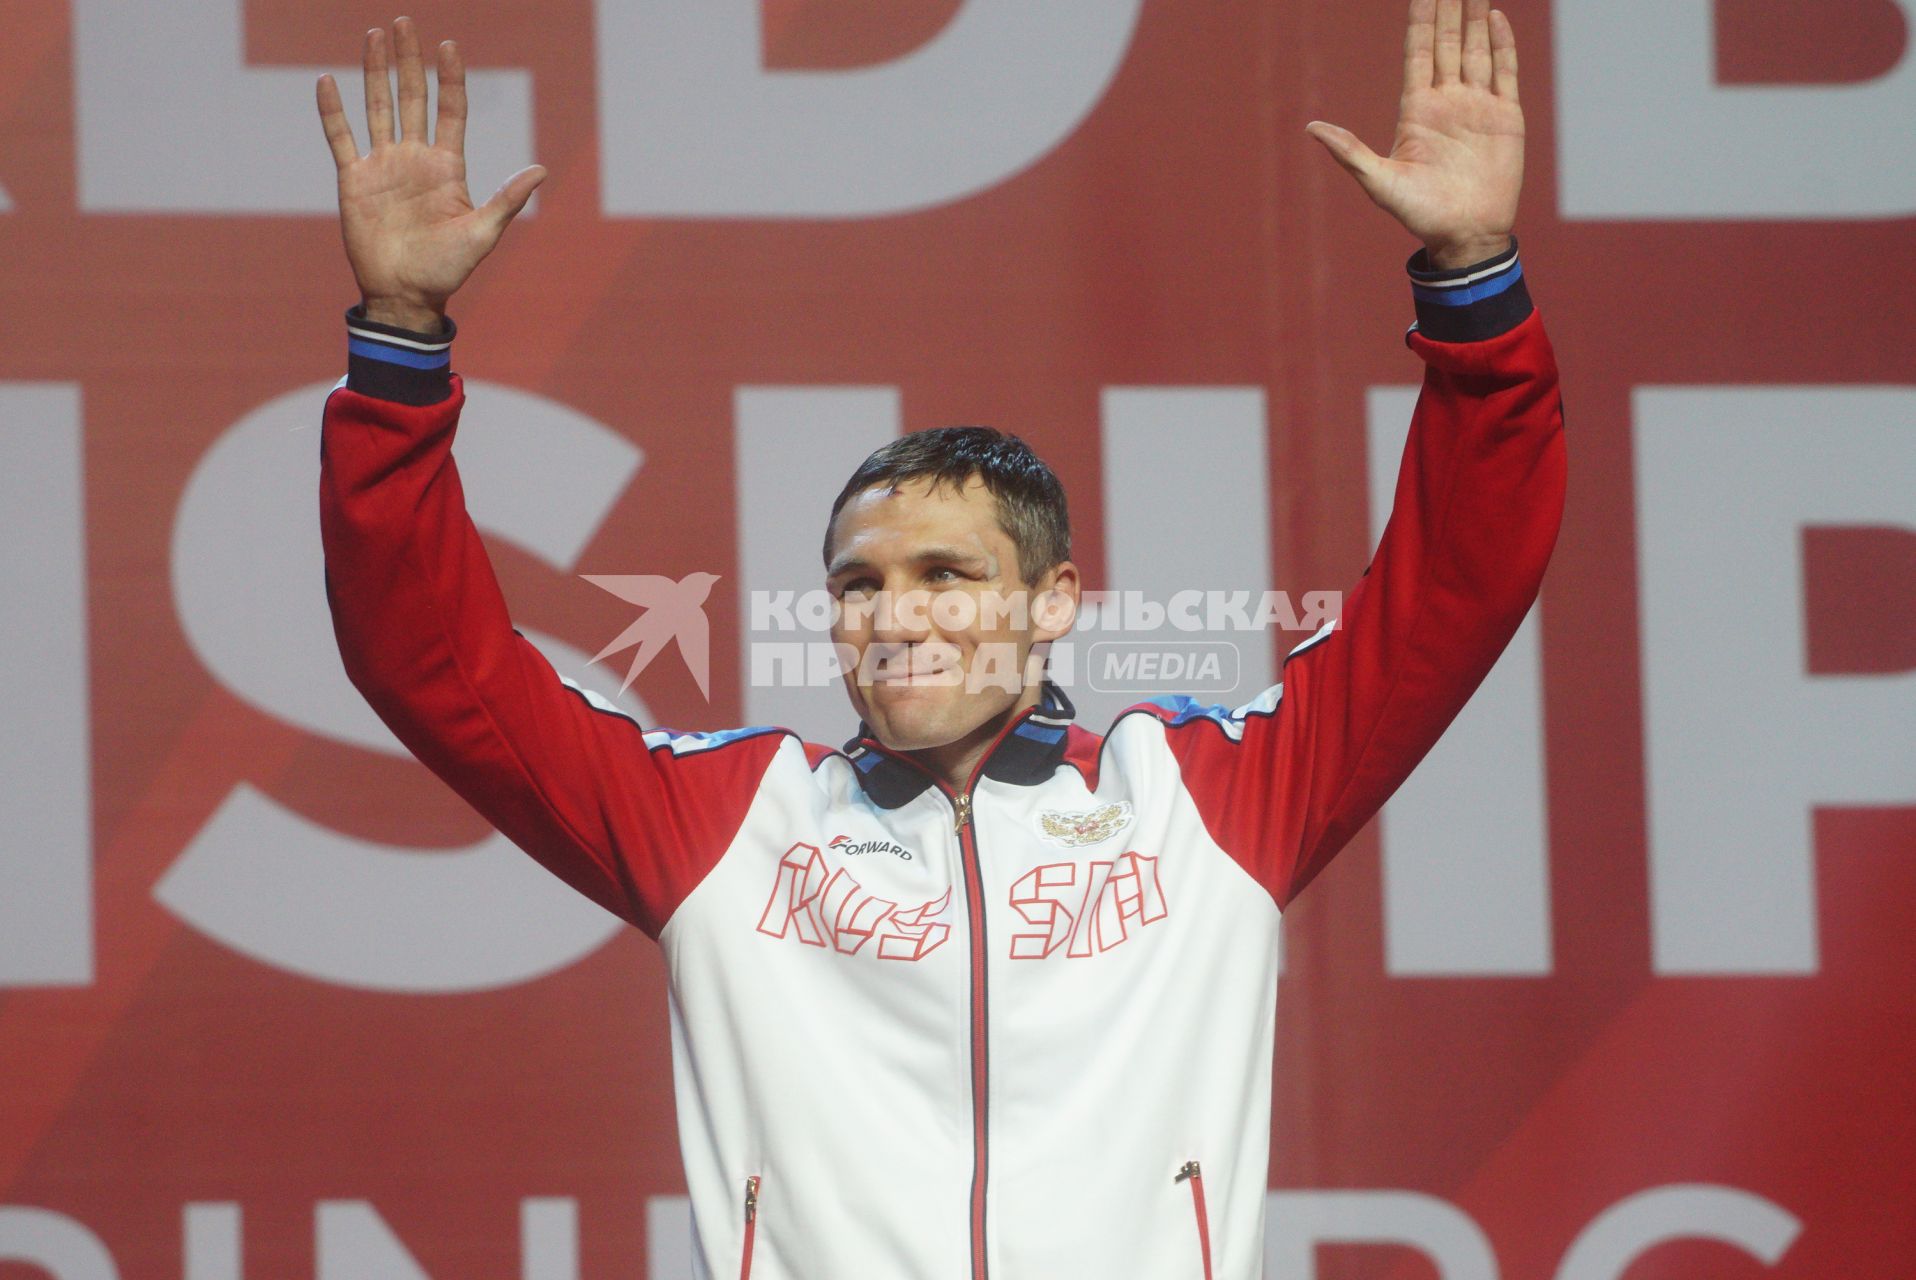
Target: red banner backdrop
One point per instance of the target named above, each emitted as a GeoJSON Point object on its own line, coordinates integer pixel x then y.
{"type": "Point", "coordinates": [1625, 990]}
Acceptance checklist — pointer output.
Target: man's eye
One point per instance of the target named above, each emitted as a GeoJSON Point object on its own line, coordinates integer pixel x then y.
{"type": "Point", "coordinates": [859, 587]}
{"type": "Point", "coordinates": [943, 575]}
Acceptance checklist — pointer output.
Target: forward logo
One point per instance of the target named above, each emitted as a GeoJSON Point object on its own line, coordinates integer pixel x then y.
{"type": "Point", "coordinates": [847, 845]}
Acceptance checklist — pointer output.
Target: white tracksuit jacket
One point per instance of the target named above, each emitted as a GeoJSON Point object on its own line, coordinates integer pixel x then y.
{"type": "Point", "coordinates": [1018, 1032]}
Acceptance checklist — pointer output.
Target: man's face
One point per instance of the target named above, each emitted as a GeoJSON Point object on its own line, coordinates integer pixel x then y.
{"type": "Point", "coordinates": [936, 611]}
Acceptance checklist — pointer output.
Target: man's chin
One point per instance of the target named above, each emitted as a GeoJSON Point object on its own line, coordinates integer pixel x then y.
{"type": "Point", "coordinates": [914, 717]}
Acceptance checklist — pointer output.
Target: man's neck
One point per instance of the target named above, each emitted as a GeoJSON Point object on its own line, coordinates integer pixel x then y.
{"type": "Point", "coordinates": [954, 762]}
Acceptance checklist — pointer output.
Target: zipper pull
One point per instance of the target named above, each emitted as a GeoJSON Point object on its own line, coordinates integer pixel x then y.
{"type": "Point", "coordinates": [751, 1197]}
{"type": "Point", "coordinates": [1190, 1170]}
{"type": "Point", "coordinates": [962, 807]}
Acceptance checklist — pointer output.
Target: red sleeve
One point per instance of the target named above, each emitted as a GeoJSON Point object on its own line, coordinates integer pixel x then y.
{"type": "Point", "coordinates": [631, 820]}
{"type": "Point", "coordinates": [1285, 781]}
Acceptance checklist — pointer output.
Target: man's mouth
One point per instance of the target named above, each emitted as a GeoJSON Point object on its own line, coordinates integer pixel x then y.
{"type": "Point", "coordinates": [916, 668]}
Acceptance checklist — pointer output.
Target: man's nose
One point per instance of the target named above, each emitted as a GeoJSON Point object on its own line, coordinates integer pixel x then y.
{"type": "Point", "coordinates": [902, 617]}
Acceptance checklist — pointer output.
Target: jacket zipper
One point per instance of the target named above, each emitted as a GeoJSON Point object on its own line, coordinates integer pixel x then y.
{"type": "Point", "coordinates": [751, 1226]}
{"type": "Point", "coordinates": [1191, 1173]}
{"type": "Point", "coordinates": [961, 825]}
{"type": "Point", "coordinates": [980, 1054]}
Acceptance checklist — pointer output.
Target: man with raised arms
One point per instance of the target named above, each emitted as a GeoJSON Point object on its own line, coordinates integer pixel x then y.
{"type": "Point", "coordinates": [982, 994]}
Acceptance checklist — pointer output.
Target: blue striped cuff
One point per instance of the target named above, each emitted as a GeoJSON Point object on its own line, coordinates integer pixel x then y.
{"type": "Point", "coordinates": [1469, 304]}
{"type": "Point", "coordinates": [390, 363]}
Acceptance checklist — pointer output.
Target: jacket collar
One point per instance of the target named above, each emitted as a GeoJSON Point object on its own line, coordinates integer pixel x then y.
{"type": "Point", "coordinates": [1026, 752]}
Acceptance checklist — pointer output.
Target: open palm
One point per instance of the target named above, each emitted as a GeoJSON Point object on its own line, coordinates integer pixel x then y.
{"type": "Point", "coordinates": [411, 231]}
{"type": "Point", "coordinates": [1456, 166]}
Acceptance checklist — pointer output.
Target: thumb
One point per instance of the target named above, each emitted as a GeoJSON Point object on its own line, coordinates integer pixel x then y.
{"type": "Point", "coordinates": [510, 198]}
{"type": "Point", "coordinates": [1347, 149]}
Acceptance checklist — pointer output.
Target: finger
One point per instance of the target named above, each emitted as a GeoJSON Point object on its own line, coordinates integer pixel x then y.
{"type": "Point", "coordinates": [1348, 150]}
{"type": "Point", "coordinates": [1450, 40]}
{"type": "Point", "coordinates": [1503, 55]}
{"type": "Point", "coordinates": [379, 91]}
{"type": "Point", "coordinates": [1420, 42]}
{"type": "Point", "coordinates": [412, 82]}
{"type": "Point", "coordinates": [332, 117]}
{"type": "Point", "coordinates": [1476, 68]}
{"type": "Point", "coordinates": [511, 197]}
{"type": "Point", "coordinates": [450, 132]}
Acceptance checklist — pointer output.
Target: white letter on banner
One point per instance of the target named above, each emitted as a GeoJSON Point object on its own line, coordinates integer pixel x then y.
{"type": "Point", "coordinates": [352, 1242]}
{"type": "Point", "coordinates": [1299, 1221]}
{"type": "Point", "coordinates": [1740, 743]}
{"type": "Point", "coordinates": [793, 449]}
{"type": "Point", "coordinates": [170, 117]}
{"type": "Point", "coordinates": [1626, 1230]}
{"type": "Point", "coordinates": [248, 581]}
{"type": "Point", "coordinates": [668, 1237]}
{"type": "Point", "coordinates": [54, 1243]}
{"type": "Point", "coordinates": [46, 802]}
{"type": "Point", "coordinates": [1645, 131]}
{"type": "Point", "coordinates": [1466, 857]}
{"type": "Point", "coordinates": [1201, 450]}
{"type": "Point", "coordinates": [549, 1238]}
{"type": "Point", "coordinates": [691, 124]}
{"type": "Point", "coordinates": [210, 1231]}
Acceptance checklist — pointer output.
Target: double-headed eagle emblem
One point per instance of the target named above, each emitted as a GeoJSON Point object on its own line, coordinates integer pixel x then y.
{"type": "Point", "coordinates": [1086, 827]}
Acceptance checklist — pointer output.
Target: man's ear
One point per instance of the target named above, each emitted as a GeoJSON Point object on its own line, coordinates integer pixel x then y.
{"type": "Point", "coordinates": [1054, 603]}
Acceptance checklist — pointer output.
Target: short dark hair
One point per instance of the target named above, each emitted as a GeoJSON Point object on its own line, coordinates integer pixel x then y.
{"type": "Point", "coordinates": [1031, 505]}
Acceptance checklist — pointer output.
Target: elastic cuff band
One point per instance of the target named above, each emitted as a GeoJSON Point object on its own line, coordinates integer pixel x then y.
{"type": "Point", "coordinates": [390, 363]}
{"type": "Point", "coordinates": [1469, 304]}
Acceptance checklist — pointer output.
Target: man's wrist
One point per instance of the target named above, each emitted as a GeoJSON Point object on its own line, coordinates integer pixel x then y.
{"type": "Point", "coordinates": [1449, 256]}
{"type": "Point", "coordinates": [416, 317]}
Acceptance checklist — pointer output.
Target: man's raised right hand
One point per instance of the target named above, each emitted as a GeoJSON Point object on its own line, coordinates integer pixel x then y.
{"type": "Point", "coordinates": [412, 234]}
